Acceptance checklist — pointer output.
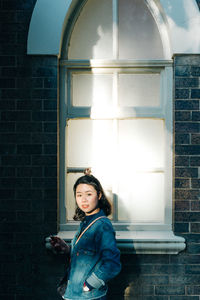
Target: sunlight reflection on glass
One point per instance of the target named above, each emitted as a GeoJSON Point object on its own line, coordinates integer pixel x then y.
{"type": "Point", "coordinates": [102, 95]}
{"type": "Point", "coordinates": [141, 197]}
{"type": "Point", "coordinates": [93, 31]}
{"type": "Point", "coordinates": [141, 144]}
{"type": "Point", "coordinates": [139, 90]}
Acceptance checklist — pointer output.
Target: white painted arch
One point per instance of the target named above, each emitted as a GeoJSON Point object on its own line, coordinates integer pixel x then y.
{"type": "Point", "coordinates": [50, 17]}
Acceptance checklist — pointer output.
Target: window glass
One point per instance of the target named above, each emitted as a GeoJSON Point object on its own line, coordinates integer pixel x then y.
{"type": "Point", "coordinates": [139, 90]}
{"type": "Point", "coordinates": [114, 116]}
{"type": "Point", "coordinates": [139, 37]}
{"type": "Point", "coordinates": [128, 158]}
{"type": "Point", "coordinates": [89, 143]}
{"type": "Point", "coordinates": [91, 90]}
{"type": "Point", "coordinates": [141, 197]}
{"type": "Point", "coordinates": [92, 34]}
{"type": "Point", "coordinates": [141, 170]}
{"type": "Point", "coordinates": [141, 144]}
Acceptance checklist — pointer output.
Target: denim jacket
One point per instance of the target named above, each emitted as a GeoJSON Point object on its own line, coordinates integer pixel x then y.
{"type": "Point", "coordinates": [95, 259]}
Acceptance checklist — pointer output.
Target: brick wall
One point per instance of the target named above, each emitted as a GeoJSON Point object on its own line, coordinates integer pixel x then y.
{"type": "Point", "coordinates": [187, 145]}
{"type": "Point", "coordinates": [28, 157]}
{"type": "Point", "coordinates": [28, 177]}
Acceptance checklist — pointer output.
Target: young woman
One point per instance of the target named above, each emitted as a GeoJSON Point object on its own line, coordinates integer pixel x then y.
{"type": "Point", "coordinates": [94, 257]}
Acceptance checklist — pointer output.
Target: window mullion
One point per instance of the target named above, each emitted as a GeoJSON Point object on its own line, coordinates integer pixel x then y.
{"type": "Point", "coordinates": [115, 141]}
{"type": "Point", "coordinates": [115, 30]}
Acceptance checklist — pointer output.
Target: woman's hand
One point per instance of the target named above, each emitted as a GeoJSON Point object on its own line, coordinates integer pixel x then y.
{"type": "Point", "coordinates": [59, 245]}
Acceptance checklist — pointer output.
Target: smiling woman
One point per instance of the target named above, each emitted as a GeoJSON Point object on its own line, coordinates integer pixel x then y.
{"type": "Point", "coordinates": [94, 257]}
{"type": "Point", "coordinates": [87, 199]}
{"type": "Point", "coordinates": [90, 197]}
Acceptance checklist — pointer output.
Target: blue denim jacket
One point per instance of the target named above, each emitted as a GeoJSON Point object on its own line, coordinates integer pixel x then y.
{"type": "Point", "coordinates": [95, 259]}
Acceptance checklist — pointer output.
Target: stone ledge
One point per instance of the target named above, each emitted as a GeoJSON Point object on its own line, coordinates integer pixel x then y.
{"type": "Point", "coordinates": [150, 242]}
{"type": "Point", "coordinates": [140, 242]}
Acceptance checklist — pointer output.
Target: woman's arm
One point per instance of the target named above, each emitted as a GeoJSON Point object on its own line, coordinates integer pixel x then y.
{"type": "Point", "coordinates": [109, 265]}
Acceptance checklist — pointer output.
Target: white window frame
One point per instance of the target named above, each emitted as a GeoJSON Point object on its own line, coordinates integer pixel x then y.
{"type": "Point", "coordinates": [131, 237]}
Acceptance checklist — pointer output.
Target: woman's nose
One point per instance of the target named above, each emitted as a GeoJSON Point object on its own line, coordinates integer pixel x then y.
{"type": "Point", "coordinates": [84, 198]}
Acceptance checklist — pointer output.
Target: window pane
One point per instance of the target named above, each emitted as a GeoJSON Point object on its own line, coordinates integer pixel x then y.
{"type": "Point", "coordinates": [92, 90]}
{"type": "Point", "coordinates": [141, 144]}
{"type": "Point", "coordinates": [141, 167]}
{"type": "Point", "coordinates": [89, 143]}
{"type": "Point", "coordinates": [141, 197]}
{"type": "Point", "coordinates": [92, 33]}
{"type": "Point", "coordinates": [79, 143]}
{"type": "Point", "coordinates": [139, 37]}
{"type": "Point", "coordinates": [139, 90]}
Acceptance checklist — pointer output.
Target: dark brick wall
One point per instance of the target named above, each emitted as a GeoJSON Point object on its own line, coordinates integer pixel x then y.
{"type": "Point", "coordinates": [28, 159]}
{"type": "Point", "coordinates": [28, 177]}
{"type": "Point", "coordinates": [187, 147]}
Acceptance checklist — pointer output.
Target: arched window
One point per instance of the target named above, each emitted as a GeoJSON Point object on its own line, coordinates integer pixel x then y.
{"type": "Point", "coordinates": [116, 111]}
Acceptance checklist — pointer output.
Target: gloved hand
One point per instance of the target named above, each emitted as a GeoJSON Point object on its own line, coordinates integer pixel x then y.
{"type": "Point", "coordinates": [59, 245]}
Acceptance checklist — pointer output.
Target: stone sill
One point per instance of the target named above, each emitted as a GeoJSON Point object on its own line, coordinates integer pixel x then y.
{"type": "Point", "coordinates": [139, 242]}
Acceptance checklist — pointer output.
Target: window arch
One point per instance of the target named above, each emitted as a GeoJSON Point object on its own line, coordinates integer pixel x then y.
{"type": "Point", "coordinates": [116, 112]}
{"type": "Point", "coordinates": [49, 19]}
{"type": "Point", "coordinates": [112, 30]}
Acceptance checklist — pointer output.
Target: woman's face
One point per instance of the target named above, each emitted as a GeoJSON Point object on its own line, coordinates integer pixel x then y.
{"type": "Point", "coordinates": [87, 198]}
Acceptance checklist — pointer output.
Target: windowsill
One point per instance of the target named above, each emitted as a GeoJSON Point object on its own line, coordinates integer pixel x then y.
{"type": "Point", "coordinates": [140, 242]}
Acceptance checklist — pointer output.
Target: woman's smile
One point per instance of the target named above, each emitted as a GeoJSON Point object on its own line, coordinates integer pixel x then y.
{"type": "Point", "coordinates": [84, 206]}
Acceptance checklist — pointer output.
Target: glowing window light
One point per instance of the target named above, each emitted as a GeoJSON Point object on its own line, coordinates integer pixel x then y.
{"type": "Point", "coordinates": [141, 197]}
{"type": "Point", "coordinates": [93, 32]}
{"type": "Point", "coordinates": [91, 90]}
{"type": "Point", "coordinates": [128, 149]}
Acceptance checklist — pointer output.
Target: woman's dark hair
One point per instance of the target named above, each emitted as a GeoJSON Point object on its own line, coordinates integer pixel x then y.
{"type": "Point", "coordinates": [104, 204]}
